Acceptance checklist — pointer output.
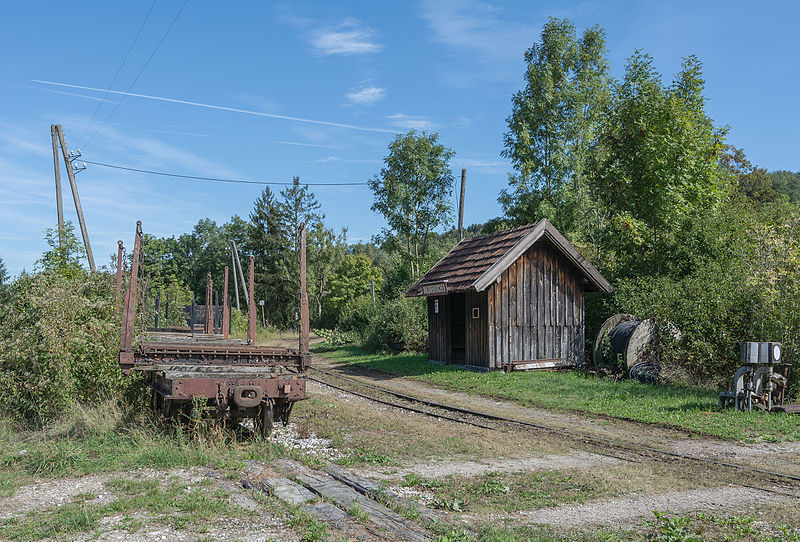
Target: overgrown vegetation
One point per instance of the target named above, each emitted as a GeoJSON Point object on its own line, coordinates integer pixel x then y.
{"type": "Point", "coordinates": [59, 339]}
{"type": "Point", "coordinates": [689, 407]}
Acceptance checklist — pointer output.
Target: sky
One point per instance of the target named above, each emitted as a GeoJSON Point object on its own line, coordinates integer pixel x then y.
{"type": "Point", "coordinates": [266, 91]}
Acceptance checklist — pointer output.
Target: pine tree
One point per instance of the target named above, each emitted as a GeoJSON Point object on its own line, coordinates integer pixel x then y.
{"type": "Point", "coordinates": [270, 243]}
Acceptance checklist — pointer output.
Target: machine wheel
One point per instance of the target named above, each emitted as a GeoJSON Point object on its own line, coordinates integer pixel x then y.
{"type": "Point", "coordinates": [263, 421]}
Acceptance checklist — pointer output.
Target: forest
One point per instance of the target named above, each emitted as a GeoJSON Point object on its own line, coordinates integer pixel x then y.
{"type": "Point", "coordinates": [632, 170]}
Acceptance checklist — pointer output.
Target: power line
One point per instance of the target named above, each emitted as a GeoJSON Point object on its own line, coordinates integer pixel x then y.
{"type": "Point", "coordinates": [163, 37]}
{"type": "Point", "coordinates": [214, 179]}
{"type": "Point", "coordinates": [119, 69]}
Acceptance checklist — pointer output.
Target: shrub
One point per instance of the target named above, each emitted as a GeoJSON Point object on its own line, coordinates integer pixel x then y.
{"type": "Point", "coordinates": [399, 324]}
{"type": "Point", "coordinates": [59, 339]}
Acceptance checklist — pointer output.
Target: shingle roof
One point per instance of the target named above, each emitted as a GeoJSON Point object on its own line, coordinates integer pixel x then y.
{"type": "Point", "coordinates": [473, 264]}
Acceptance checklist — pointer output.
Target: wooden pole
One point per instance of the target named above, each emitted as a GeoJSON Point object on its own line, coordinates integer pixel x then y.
{"type": "Point", "coordinates": [235, 284]}
{"type": "Point", "coordinates": [59, 205]}
{"type": "Point", "coordinates": [461, 204]}
{"type": "Point", "coordinates": [263, 318]}
{"type": "Point", "coordinates": [372, 289]}
{"type": "Point", "coordinates": [209, 323]}
{"type": "Point", "coordinates": [76, 198]}
{"type": "Point", "coordinates": [225, 308]}
{"type": "Point", "coordinates": [251, 305]}
{"type": "Point", "coordinates": [305, 330]}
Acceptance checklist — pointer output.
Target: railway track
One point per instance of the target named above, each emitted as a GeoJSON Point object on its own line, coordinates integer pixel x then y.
{"type": "Point", "coordinates": [761, 479]}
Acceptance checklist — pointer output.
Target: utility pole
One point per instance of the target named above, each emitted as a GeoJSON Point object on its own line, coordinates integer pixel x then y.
{"type": "Point", "coordinates": [461, 204]}
{"type": "Point", "coordinates": [241, 273]}
{"type": "Point", "coordinates": [372, 289]}
{"type": "Point", "coordinates": [59, 206]}
{"type": "Point", "coordinates": [75, 197]}
{"type": "Point", "coordinates": [235, 284]}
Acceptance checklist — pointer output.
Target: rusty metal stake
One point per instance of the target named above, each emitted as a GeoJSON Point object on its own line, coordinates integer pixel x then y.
{"type": "Point", "coordinates": [251, 304]}
{"type": "Point", "coordinates": [225, 307]}
{"type": "Point", "coordinates": [305, 330]}
{"type": "Point", "coordinates": [209, 323]}
{"type": "Point", "coordinates": [126, 342]}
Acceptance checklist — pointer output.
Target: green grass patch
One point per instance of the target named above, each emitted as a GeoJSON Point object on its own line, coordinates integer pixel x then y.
{"type": "Point", "coordinates": [97, 442]}
{"type": "Point", "coordinates": [691, 408]}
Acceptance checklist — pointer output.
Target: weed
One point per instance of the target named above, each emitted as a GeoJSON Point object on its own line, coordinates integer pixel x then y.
{"type": "Point", "coordinates": [361, 456]}
{"type": "Point", "coordinates": [357, 513]}
{"type": "Point", "coordinates": [415, 480]}
{"type": "Point", "coordinates": [311, 529]}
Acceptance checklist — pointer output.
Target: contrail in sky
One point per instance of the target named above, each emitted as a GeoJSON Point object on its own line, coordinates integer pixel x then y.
{"type": "Point", "coordinates": [219, 107]}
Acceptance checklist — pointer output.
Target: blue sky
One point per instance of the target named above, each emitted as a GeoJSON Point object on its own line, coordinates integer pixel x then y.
{"type": "Point", "coordinates": [318, 90]}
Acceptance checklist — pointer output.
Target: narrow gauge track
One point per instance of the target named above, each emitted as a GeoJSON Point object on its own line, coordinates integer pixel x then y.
{"type": "Point", "coordinates": [788, 484]}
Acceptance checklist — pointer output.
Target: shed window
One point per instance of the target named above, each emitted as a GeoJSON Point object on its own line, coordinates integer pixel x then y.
{"type": "Point", "coordinates": [476, 313]}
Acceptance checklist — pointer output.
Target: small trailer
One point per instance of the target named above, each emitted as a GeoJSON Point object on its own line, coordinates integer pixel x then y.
{"type": "Point", "coordinates": [235, 378]}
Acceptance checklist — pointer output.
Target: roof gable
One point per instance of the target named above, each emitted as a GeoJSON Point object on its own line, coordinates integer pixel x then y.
{"type": "Point", "coordinates": [474, 264]}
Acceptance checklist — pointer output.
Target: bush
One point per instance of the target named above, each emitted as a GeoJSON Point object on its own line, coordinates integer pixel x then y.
{"type": "Point", "coordinates": [59, 339]}
{"type": "Point", "coordinates": [398, 325]}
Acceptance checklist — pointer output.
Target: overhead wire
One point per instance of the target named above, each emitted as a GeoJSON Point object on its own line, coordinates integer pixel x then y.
{"type": "Point", "coordinates": [119, 69]}
{"type": "Point", "coordinates": [215, 179]}
{"type": "Point", "coordinates": [163, 37]}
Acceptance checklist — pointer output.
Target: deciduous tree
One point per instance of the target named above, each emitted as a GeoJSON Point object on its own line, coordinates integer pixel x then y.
{"type": "Point", "coordinates": [413, 192]}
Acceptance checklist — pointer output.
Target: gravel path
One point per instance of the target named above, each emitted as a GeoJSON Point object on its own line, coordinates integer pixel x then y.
{"type": "Point", "coordinates": [440, 469]}
{"type": "Point", "coordinates": [627, 510]}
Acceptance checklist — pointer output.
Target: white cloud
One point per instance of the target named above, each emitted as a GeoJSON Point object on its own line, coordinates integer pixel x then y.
{"type": "Point", "coordinates": [348, 38]}
{"type": "Point", "coordinates": [408, 122]}
{"type": "Point", "coordinates": [367, 95]}
{"type": "Point", "coordinates": [479, 27]}
{"type": "Point", "coordinates": [328, 159]}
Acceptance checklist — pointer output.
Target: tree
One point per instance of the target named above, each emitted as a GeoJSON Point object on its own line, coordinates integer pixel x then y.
{"type": "Point", "coordinates": [554, 122]}
{"type": "Point", "coordinates": [752, 182]}
{"type": "Point", "coordinates": [413, 192]}
{"type": "Point", "coordinates": [269, 242]}
{"type": "Point", "coordinates": [352, 280]}
{"type": "Point", "coordinates": [3, 273]}
{"type": "Point", "coordinates": [658, 166]}
{"type": "Point", "coordinates": [788, 183]}
{"type": "Point", "coordinates": [64, 259]}
{"type": "Point", "coordinates": [325, 252]}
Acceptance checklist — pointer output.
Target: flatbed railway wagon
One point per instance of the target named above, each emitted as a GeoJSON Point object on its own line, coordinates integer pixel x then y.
{"type": "Point", "coordinates": [234, 378]}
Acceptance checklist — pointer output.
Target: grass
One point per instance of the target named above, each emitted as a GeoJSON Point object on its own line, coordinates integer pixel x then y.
{"type": "Point", "coordinates": [695, 409]}
{"type": "Point", "coordinates": [373, 436]}
{"type": "Point", "coordinates": [192, 507]}
{"type": "Point", "coordinates": [495, 492]}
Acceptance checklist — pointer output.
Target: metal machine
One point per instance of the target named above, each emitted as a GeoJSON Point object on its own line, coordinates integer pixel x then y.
{"type": "Point", "coordinates": [761, 380]}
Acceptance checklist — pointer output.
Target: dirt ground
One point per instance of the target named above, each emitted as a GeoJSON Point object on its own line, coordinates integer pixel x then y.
{"type": "Point", "coordinates": [473, 478]}
{"type": "Point", "coordinates": [613, 492]}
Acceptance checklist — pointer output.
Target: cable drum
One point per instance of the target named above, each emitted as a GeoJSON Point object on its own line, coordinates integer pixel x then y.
{"type": "Point", "coordinates": [629, 345]}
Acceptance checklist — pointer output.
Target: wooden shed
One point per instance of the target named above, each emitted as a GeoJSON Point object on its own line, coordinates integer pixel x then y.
{"type": "Point", "coordinates": [513, 296]}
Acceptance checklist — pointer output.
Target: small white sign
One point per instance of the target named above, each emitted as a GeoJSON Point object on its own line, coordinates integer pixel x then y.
{"type": "Point", "coordinates": [439, 288]}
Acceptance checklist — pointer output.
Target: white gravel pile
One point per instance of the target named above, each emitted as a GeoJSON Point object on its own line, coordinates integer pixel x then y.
{"type": "Point", "coordinates": [318, 447]}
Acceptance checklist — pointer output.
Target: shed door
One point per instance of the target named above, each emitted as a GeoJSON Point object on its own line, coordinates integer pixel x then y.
{"type": "Point", "coordinates": [458, 330]}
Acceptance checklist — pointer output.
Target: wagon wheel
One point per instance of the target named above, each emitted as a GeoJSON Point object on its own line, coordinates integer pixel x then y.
{"type": "Point", "coordinates": [263, 421]}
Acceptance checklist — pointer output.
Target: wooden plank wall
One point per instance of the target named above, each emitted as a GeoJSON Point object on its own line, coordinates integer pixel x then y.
{"type": "Point", "coordinates": [536, 311]}
{"type": "Point", "coordinates": [439, 330]}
